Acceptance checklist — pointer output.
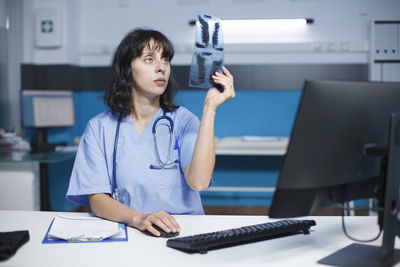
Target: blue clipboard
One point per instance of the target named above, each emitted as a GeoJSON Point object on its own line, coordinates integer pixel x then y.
{"type": "Point", "coordinates": [48, 240]}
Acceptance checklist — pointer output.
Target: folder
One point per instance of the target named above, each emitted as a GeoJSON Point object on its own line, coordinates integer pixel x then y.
{"type": "Point", "coordinates": [84, 228]}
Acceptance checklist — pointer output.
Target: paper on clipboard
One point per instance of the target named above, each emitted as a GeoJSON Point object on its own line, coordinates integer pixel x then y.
{"type": "Point", "coordinates": [81, 228]}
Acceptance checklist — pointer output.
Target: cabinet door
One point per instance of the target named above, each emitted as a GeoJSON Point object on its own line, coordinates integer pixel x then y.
{"type": "Point", "coordinates": [376, 72]}
{"type": "Point", "coordinates": [386, 41]}
{"type": "Point", "coordinates": [19, 186]}
{"type": "Point", "coordinates": [391, 72]}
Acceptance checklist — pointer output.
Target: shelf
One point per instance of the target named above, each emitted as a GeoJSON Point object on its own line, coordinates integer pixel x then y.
{"type": "Point", "coordinates": [240, 189]}
{"type": "Point", "coordinates": [44, 157]}
{"type": "Point", "coordinates": [252, 146]}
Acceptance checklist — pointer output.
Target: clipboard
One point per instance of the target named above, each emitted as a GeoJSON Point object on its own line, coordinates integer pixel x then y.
{"type": "Point", "coordinates": [120, 237]}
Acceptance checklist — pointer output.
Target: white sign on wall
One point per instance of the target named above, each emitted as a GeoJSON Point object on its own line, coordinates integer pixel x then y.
{"type": "Point", "coordinates": [48, 27]}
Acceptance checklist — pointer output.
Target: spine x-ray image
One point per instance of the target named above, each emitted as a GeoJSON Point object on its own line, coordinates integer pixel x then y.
{"type": "Point", "coordinates": [208, 51]}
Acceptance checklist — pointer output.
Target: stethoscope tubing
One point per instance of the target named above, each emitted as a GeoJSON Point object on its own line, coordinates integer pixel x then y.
{"type": "Point", "coordinates": [114, 172]}
{"type": "Point", "coordinates": [163, 164]}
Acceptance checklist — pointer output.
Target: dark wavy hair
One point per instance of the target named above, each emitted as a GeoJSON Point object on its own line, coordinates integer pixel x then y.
{"type": "Point", "coordinates": [118, 94]}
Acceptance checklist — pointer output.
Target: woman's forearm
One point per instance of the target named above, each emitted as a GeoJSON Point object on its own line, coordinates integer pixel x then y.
{"type": "Point", "coordinates": [199, 172]}
{"type": "Point", "coordinates": [102, 205]}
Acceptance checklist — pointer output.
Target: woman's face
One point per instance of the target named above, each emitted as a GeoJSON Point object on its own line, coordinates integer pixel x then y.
{"type": "Point", "coordinates": [150, 71]}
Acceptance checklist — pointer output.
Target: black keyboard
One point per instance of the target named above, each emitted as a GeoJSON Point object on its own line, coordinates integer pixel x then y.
{"type": "Point", "coordinates": [203, 242]}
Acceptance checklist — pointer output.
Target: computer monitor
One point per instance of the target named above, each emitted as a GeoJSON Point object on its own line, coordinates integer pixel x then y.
{"type": "Point", "coordinates": [339, 151]}
{"type": "Point", "coordinates": [42, 109]}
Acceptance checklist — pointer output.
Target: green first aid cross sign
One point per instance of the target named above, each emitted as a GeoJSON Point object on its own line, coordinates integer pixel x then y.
{"type": "Point", "coordinates": [47, 26]}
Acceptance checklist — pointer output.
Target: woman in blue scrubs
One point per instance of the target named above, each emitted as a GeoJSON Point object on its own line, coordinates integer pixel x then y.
{"type": "Point", "coordinates": [155, 177]}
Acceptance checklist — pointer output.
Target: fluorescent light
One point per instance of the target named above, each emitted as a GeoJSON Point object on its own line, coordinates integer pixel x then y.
{"type": "Point", "coordinates": [262, 23]}
{"type": "Point", "coordinates": [265, 22]}
{"type": "Point", "coordinates": [265, 30]}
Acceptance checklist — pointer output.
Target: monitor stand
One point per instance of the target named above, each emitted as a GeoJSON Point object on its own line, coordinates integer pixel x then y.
{"type": "Point", "coordinates": [39, 140]}
{"type": "Point", "coordinates": [39, 143]}
{"type": "Point", "coordinates": [361, 255]}
{"type": "Point", "coordinates": [385, 255]}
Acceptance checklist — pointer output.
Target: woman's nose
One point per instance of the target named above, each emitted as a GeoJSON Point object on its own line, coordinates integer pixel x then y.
{"type": "Point", "coordinates": [160, 66]}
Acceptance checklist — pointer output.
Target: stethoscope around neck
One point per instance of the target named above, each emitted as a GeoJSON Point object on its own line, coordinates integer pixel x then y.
{"type": "Point", "coordinates": [163, 163]}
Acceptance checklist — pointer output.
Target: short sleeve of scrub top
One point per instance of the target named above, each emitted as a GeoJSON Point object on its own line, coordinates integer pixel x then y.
{"type": "Point", "coordinates": [141, 187]}
{"type": "Point", "coordinates": [90, 174]}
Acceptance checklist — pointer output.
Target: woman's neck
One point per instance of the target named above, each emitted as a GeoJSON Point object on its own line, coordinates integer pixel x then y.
{"type": "Point", "coordinates": [144, 107]}
{"type": "Point", "coordinates": [144, 111]}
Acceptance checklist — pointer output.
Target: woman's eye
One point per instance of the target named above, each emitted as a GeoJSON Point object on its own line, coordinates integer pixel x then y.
{"type": "Point", "coordinates": [148, 59]}
{"type": "Point", "coordinates": [165, 60]}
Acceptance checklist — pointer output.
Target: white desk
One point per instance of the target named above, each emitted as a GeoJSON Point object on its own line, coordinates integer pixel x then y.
{"type": "Point", "coordinates": [24, 179]}
{"type": "Point", "coordinates": [141, 250]}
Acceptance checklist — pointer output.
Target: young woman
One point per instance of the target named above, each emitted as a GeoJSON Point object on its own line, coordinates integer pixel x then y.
{"type": "Point", "coordinates": [146, 158]}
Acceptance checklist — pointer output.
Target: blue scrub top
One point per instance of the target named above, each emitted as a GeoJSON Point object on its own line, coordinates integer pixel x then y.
{"type": "Point", "coordinates": [140, 187]}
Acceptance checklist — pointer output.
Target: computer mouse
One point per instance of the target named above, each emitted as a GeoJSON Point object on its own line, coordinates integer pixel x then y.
{"type": "Point", "coordinates": [162, 232]}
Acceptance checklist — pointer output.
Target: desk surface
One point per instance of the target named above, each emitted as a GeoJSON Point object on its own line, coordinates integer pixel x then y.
{"type": "Point", "coordinates": [142, 250]}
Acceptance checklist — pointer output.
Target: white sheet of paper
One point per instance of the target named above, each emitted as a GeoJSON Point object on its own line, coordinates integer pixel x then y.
{"type": "Point", "coordinates": [84, 228]}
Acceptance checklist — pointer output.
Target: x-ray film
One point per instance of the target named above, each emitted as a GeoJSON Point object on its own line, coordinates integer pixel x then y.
{"type": "Point", "coordinates": [208, 51]}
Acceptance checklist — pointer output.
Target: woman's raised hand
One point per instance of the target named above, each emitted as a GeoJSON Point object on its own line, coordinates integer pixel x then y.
{"type": "Point", "coordinates": [214, 97]}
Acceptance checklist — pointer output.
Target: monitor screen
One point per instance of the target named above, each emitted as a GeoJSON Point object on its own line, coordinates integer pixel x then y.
{"type": "Point", "coordinates": [334, 122]}
{"type": "Point", "coordinates": [45, 108]}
